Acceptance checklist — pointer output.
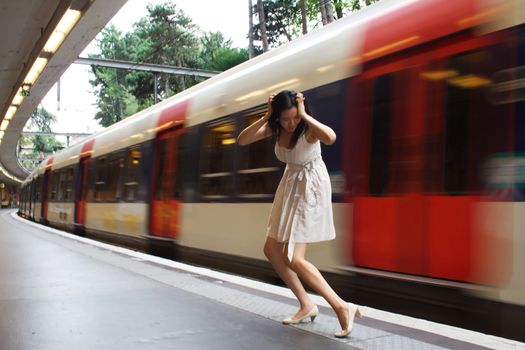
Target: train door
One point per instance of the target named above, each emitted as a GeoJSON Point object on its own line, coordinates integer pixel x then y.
{"type": "Point", "coordinates": [81, 186]}
{"type": "Point", "coordinates": [37, 204]}
{"type": "Point", "coordinates": [32, 198]}
{"type": "Point", "coordinates": [81, 194]}
{"type": "Point", "coordinates": [426, 129]}
{"type": "Point", "coordinates": [388, 219]}
{"type": "Point", "coordinates": [45, 194]}
{"type": "Point", "coordinates": [165, 208]}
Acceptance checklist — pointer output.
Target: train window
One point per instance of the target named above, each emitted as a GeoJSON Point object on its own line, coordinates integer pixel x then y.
{"type": "Point", "coordinates": [256, 165]}
{"type": "Point", "coordinates": [100, 179]}
{"type": "Point", "coordinates": [62, 185]}
{"type": "Point", "coordinates": [182, 171]}
{"type": "Point", "coordinates": [476, 128]}
{"type": "Point", "coordinates": [65, 185]}
{"type": "Point", "coordinates": [394, 145]}
{"type": "Point", "coordinates": [132, 175]}
{"type": "Point", "coordinates": [380, 136]}
{"type": "Point", "coordinates": [115, 168]}
{"type": "Point", "coordinates": [433, 148]}
{"type": "Point", "coordinates": [38, 189]}
{"type": "Point", "coordinates": [53, 187]}
{"type": "Point", "coordinates": [217, 160]}
{"type": "Point", "coordinates": [70, 175]}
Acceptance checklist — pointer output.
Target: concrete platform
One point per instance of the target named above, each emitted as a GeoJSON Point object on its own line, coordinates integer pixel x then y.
{"type": "Point", "coordinates": [59, 291]}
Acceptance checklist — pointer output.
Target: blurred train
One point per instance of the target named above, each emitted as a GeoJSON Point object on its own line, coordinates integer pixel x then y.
{"type": "Point", "coordinates": [428, 171]}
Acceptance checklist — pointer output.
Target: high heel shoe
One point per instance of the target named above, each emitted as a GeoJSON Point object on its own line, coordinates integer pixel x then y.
{"type": "Point", "coordinates": [353, 312]}
{"type": "Point", "coordinates": [312, 314]}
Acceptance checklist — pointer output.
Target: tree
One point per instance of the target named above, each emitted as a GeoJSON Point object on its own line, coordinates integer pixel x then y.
{"type": "Point", "coordinates": [114, 100]}
{"type": "Point", "coordinates": [41, 120]}
{"type": "Point", "coordinates": [323, 11]}
{"type": "Point", "coordinates": [304, 19]}
{"type": "Point", "coordinates": [287, 19]}
{"type": "Point", "coordinates": [338, 5]}
{"type": "Point", "coordinates": [281, 19]}
{"type": "Point", "coordinates": [39, 146]}
{"type": "Point", "coordinates": [262, 25]}
{"type": "Point", "coordinates": [251, 50]}
{"type": "Point", "coordinates": [218, 54]}
{"type": "Point", "coordinates": [329, 11]}
{"type": "Point", "coordinates": [356, 5]}
{"type": "Point", "coordinates": [164, 36]}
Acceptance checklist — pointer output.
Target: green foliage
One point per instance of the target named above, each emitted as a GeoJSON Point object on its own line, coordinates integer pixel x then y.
{"type": "Point", "coordinates": [165, 36]}
{"type": "Point", "coordinates": [45, 145]}
{"type": "Point", "coordinates": [283, 17]}
{"type": "Point", "coordinates": [356, 5]}
{"type": "Point", "coordinates": [113, 98]}
{"type": "Point", "coordinates": [41, 120]}
{"type": "Point", "coordinates": [38, 147]}
{"type": "Point", "coordinates": [216, 53]}
{"type": "Point", "coordinates": [282, 21]}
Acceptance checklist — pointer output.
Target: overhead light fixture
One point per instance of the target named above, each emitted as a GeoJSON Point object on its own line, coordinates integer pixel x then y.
{"type": "Point", "coordinates": [34, 72]}
{"type": "Point", "coordinates": [4, 125]}
{"type": "Point", "coordinates": [63, 28]}
{"type": "Point", "coordinates": [17, 100]}
{"type": "Point", "coordinates": [10, 112]}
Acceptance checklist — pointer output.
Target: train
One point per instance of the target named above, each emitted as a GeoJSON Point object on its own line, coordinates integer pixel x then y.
{"type": "Point", "coordinates": [428, 172]}
{"type": "Point", "coordinates": [5, 196]}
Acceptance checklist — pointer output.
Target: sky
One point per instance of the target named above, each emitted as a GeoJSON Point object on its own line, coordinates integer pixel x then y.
{"type": "Point", "coordinates": [77, 101]}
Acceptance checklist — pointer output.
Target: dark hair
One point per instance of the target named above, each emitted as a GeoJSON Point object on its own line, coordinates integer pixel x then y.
{"type": "Point", "coordinates": [284, 100]}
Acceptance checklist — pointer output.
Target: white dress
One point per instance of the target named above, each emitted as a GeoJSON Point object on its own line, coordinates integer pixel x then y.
{"type": "Point", "coordinates": [302, 208]}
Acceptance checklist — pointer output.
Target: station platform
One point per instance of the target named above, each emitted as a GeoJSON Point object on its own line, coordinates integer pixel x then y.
{"type": "Point", "coordinates": [60, 291]}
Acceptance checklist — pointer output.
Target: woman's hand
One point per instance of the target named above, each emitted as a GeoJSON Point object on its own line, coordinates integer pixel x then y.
{"type": "Point", "coordinates": [300, 105]}
{"type": "Point", "coordinates": [269, 112]}
{"type": "Point", "coordinates": [257, 130]}
{"type": "Point", "coordinates": [317, 130]}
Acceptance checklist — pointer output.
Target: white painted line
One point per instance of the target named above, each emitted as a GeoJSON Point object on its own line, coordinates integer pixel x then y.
{"type": "Point", "coordinates": [464, 335]}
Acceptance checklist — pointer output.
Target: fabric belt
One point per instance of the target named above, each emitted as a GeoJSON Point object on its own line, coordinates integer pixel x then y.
{"type": "Point", "coordinates": [303, 178]}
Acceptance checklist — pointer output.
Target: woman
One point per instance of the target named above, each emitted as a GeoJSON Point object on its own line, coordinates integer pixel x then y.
{"type": "Point", "coordinates": [302, 209]}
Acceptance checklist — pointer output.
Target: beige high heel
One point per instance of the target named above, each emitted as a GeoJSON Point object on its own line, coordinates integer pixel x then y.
{"type": "Point", "coordinates": [312, 314]}
{"type": "Point", "coordinates": [353, 312]}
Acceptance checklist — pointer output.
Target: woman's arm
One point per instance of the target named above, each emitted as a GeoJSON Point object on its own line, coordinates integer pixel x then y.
{"type": "Point", "coordinates": [316, 129]}
{"type": "Point", "coordinates": [258, 130]}
{"type": "Point", "coordinates": [255, 132]}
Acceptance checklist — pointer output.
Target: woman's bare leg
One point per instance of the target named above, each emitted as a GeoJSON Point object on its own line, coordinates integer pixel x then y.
{"type": "Point", "coordinates": [275, 252]}
{"type": "Point", "coordinates": [309, 274]}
